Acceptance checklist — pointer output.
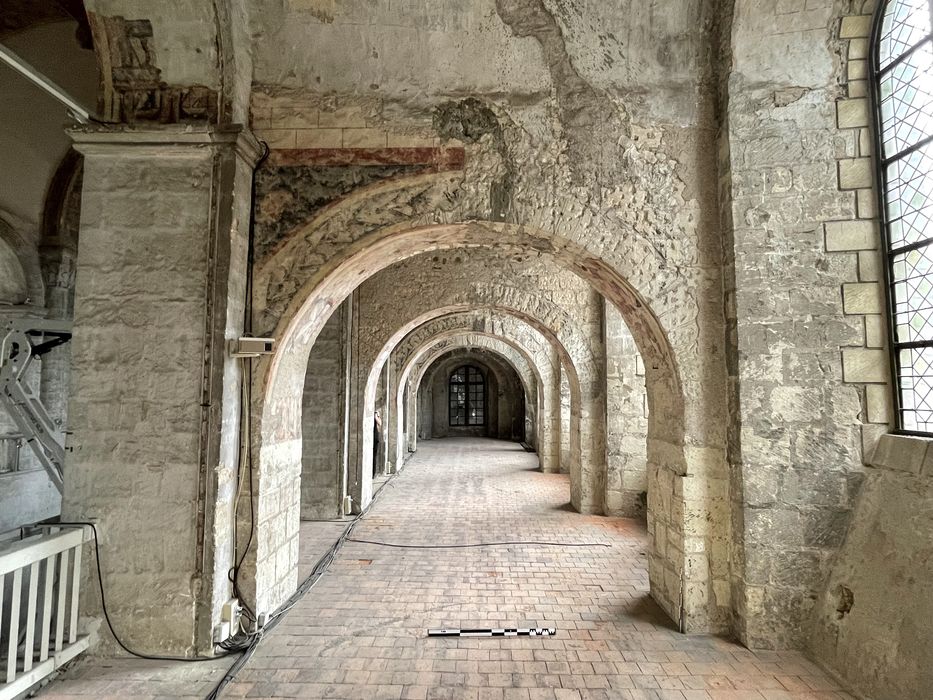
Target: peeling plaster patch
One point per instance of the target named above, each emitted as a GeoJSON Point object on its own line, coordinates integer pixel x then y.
{"type": "Point", "coordinates": [584, 113]}
{"type": "Point", "coordinates": [288, 196]}
{"type": "Point", "coordinates": [845, 599]}
{"type": "Point", "coordinates": [469, 121]}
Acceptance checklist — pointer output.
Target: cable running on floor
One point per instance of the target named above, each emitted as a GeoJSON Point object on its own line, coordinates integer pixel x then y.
{"type": "Point", "coordinates": [319, 568]}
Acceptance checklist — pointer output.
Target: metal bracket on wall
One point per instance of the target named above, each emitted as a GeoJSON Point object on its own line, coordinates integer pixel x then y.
{"type": "Point", "coordinates": [24, 339]}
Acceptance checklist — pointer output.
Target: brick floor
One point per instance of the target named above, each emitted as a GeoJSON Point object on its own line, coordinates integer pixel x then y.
{"type": "Point", "coordinates": [360, 632]}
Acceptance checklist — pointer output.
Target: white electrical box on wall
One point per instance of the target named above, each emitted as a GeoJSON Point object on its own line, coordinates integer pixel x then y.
{"type": "Point", "coordinates": [253, 347]}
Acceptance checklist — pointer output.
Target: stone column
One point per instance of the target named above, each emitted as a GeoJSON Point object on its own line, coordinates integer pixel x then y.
{"type": "Point", "coordinates": [566, 454]}
{"type": "Point", "coordinates": [360, 485]}
{"type": "Point", "coordinates": [593, 419]}
{"type": "Point", "coordinates": [626, 421]}
{"type": "Point", "coordinates": [549, 449]}
{"type": "Point", "coordinates": [349, 311]}
{"type": "Point", "coordinates": [155, 402]}
{"type": "Point", "coordinates": [391, 419]}
{"type": "Point", "coordinates": [412, 416]}
{"type": "Point", "coordinates": [323, 422]}
{"type": "Point", "coordinates": [382, 404]}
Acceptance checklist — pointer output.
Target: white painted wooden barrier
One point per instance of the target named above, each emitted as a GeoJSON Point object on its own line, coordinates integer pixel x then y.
{"type": "Point", "coordinates": [40, 579]}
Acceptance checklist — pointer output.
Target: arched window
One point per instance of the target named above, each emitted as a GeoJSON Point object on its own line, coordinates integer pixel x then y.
{"type": "Point", "coordinates": [903, 95]}
{"type": "Point", "coordinates": [467, 396]}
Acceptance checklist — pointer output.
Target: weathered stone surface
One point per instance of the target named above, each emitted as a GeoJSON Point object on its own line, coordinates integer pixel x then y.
{"type": "Point", "coordinates": [862, 298]}
{"type": "Point", "coordinates": [864, 365]}
{"type": "Point", "coordinates": [703, 169]}
{"type": "Point", "coordinates": [901, 453]}
{"type": "Point", "coordinates": [880, 640]}
{"type": "Point", "coordinates": [323, 418]}
{"type": "Point", "coordinates": [147, 269]}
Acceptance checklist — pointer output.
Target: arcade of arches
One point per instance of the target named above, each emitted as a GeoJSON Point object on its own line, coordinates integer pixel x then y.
{"type": "Point", "coordinates": [631, 255]}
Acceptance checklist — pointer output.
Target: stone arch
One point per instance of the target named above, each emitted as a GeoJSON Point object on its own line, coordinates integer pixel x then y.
{"type": "Point", "coordinates": [58, 248]}
{"type": "Point", "coordinates": [542, 357]}
{"type": "Point", "coordinates": [499, 374]}
{"type": "Point", "coordinates": [295, 301]}
{"type": "Point", "coordinates": [414, 365]}
{"type": "Point", "coordinates": [587, 464]}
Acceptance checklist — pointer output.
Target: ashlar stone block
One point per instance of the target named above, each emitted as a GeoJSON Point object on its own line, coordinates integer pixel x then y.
{"type": "Point", "coordinates": [858, 49]}
{"type": "Point", "coordinates": [862, 298]}
{"type": "Point", "coordinates": [864, 365]}
{"type": "Point", "coordinates": [277, 138]}
{"type": "Point", "coordinates": [858, 88]}
{"type": "Point", "coordinates": [875, 331]}
{"type": "Point", "coordinates": [858, 70]}
{"type": "Point", "coordinates": [852, 113]}
{"type": "Point", "coordinates": [869, 269]}
{"type": "Point", "coordinates": [855, 173]}
{"type": "Point", "coordinates": [364, 138]}
{"type": "Point", "coordinates": [319, 138]}
{"type": "Point", "coordinates": [901, 453]}
{"type": "Point", "coordinates": [866, 204]}
{"type": "Point", "coordinates": [878, 403]}
{"type": "Point", "coordinates": [851, 235]}
{"type": "Point", "coordinates": [855, 27]}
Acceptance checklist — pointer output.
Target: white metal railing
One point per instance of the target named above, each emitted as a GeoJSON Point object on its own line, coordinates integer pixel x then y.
{"type": "Point", "coordinates": [40, 578]}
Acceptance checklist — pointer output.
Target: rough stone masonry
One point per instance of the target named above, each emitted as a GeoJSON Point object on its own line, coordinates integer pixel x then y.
{"type": "Point", "coordinates": [654, 226]}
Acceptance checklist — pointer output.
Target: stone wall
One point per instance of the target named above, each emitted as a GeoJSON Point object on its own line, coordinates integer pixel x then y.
{"type": "Point", "coordinates": [322, 423]}
{"type": "Point", "coordinates": [869, 619]}
{"type": "Point", "coordinates": [801, 357]}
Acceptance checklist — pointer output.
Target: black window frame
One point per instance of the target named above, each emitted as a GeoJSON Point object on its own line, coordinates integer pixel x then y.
{"type": "Point", "coordinates": [469, 383]}
{"type": "Point", "coordinates": [875, 76]}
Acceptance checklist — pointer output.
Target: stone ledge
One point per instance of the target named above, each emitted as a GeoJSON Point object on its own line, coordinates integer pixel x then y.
{"type": "Point", "coordinates": [904, 453]}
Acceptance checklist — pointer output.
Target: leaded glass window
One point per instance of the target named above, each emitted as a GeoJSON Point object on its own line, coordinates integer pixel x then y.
{"type": "Point", "coordinates": [903, 92]}
{"type": "Point", "coordinates": [467, 392]}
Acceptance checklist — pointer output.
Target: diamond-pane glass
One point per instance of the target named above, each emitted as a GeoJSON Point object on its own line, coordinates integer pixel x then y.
{"type": "Point", "coordinates": [916, 388]}
{"type": "Point", "coordinates": [909, 197]}
{"type": "Point", "coordinates": [906, 93]}
{"type": "Point", "coordinates": [905, 23]}
{"type": "Point", "coordinates": [912, 289]}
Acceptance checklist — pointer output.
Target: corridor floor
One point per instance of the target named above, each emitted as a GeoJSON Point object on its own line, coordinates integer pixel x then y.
{"type": "Point", "coordinates": [360, 633]}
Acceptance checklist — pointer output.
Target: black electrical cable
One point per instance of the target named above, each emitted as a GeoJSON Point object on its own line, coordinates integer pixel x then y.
{"type": "Point", "coordinates": [103, 606]}
{"type": "Point", "coordinates": [320, 567]}
{"type": "Point", "coordinates": [234, 575]}
{"type": "Point", "coordinates": [482, 544]}
{"type": "Point", "coordinates": [245, 401]}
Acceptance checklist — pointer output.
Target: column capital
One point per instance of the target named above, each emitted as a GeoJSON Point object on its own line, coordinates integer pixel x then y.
{"type": "Point", "coordinates": [175, 139]}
